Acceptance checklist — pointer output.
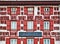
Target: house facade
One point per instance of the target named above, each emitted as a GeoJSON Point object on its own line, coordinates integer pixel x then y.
{"type": "Point", "coordinates": [24, 22]}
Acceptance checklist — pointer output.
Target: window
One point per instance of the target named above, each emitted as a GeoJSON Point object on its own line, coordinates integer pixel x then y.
{"type": "Point", "coordinates": [30, 10]}
{"type": "Point", "coordinates": [46, 9]}
{"type": "Point", "coordinates": [13, 25]}
{"type": "Point", "coordinates": [13, 41]}
{"type": "Point", "coordinates": [30, 25]}
{"type": "Point", "coordinates": [13, 10]}
{"type": "Point", "coordinates": [46, 41]}
{"type": "Point", "coordinates": [30, 41]}
{"type": "Point", "coordinates": [46, 25]}
{"type": "Point", "coordinates": [56, 8]}
{"type": "Point", "coordinates": [22, 10]}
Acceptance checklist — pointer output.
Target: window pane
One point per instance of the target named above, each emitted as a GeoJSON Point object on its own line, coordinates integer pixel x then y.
{"type": "Point", "coordinates": [30, 41]}
{"type": "Point", "coordinates": [13, 10]}
{"type": "Point", "coordinates": [46, 9]}
{"type": "Point", "coordinates": [46, 41]}
{"type": "Point", "coordinates": [30, 24]}
{"type": "Point", "coordinates": [30, 10]}
{"type": "Point", "coordinates": [46, 24]}
{"type": "Point", "coordinates": [13, 25]}
{"type": "Point", "coordinates": [13, 41]}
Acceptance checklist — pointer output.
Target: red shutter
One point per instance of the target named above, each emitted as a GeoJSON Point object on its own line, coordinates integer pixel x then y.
{"type": "Point", "coordinates": [51, 41]}
{"type": "Point", "coordinates": [9, 10]}
{"type": "Point", "coordinates": [8, 25]}
{"type": "Point", "coordinates": [24, 41]}
{"type": "Point", "coordinates": [7, 41]}
{"type": "Point", "coordinates": [51, 25]}
{"type": "Point", "coordinates": [51, 10]}
{"type": "Point", "coordinates": [42, 10]}
{"type": "Point", "coordinates": [35, 40]}
{"type": "Point", "coordinates": [25, 25]}
{"type": "Point", "coordinates": [25, 10]}
{"type": "Point", "coordinates": [19, 41]}
{"type": "Point", "coordinates": [41, 40]}
{"type": "Point", "coordinates": [18, 11]}
{"type": "Point", "coordinates": [41, 25]}
{"type": "Point", "coordinates": [35, 25]}
{"type": "Point", "coordinates": [18, 25]}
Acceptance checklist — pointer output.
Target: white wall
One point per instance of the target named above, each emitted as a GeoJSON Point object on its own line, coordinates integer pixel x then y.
{"type": "Point", "coordinates": [57, 42]}
{"type": "Point", "coordinates": [2, 42]}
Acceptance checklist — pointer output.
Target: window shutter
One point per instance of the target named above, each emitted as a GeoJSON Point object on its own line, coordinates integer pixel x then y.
{"type": "Point", "coordinates": [25, 25]}
{"type": "Point", "coordinates": [51, 41]}
{"type": "Point", "coordinates": [9, 10]}
{"type": "Point", "coordinates": [19, 41]}
{"type": "Point", "coordinates": [35, 40]}
{"type": "Point", "coordinates": [7, 40]}
{"type": "Point", "coordinates": [24, 41]}
{"type": "Point", "coordinates": [41, 25]}
{"type": "Point", "coordinates": [18, 25]}
{"type": "Point", "coordinates": [51, 25]}
{"type": "Point", "coordinates": [35, 25]}
{"type": "Point", "coordinates": [41, 40]}
{"type": "Point", "coordinates": [8, 25]}
{"type": "Point", "coordinates": [18, 11]}
{"type": "Point", "coordinates": [25, 10]}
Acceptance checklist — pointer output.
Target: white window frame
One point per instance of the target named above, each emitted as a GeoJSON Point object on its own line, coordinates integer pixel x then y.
{"type": "Point", "coordinates": [2, 42]}
{"type": "Point", "coordinates": [13, 41]}
{"type": "Point", "coordinates": [30, 41]}
{"type": "Point", "coordinates": [46, 9]}
{"type": "Point", "coordinates": [46, 41]}
{"type": "Point", "coordinates": [30, 25]}
{"type": "Point", "coordinates": [22, 10]}
{"type": "Point", "coordinates": [46, 25]}
{"type": "Point", "coordinates": [13, 10]}
{"type": "Point", "coordinates": [13, 25]}
{"type": "Point", "coordinates": [30, 10]}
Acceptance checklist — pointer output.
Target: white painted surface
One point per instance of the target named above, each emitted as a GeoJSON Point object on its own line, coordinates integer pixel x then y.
{"type": "Point", "coordinates": [35, 10]}
{"type": "Point", "coordinates": [3, 24]}
{"type": "Point", "coordinates": [57, 42]}
{"type": "Point", "coordinates": [21, 42]}
{"type": "Point", "coordinates": [22, 31]}
{"type": "Point", "coordinates": [22, 25]}
{"type": "Point", "coordinates": [2, 42]}
{"type": "Point", "coordinates": [38, 42]}
{"type": "Point", "coordinates": [56, 25]}
{"type": "Point", "coordinates": [38, 25]}
{"type": "Point", "coordinates": [3, 31]}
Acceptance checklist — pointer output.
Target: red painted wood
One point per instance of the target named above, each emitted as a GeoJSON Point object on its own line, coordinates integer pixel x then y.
{"type": "Point", "coordinates": [42, 10]}
{"type": "Point", "coordinates": [18, 41]}
{"type": "Point", "coordinates": [35, 40]}
{"type": "Point", "coordinates": [42, 25]}
{"type": "Point", "coordinates": [18, 25]}
{"type": "Point", "coordinates": [24, 41]}
{"type": "Point", "coordinates": [51, 25]}
{"type": "Point", "coordinates": [25, 25]}
{"type": "Point", "coordinates": [51, 41]}
{"type": "Point", "coordinates": [25, 10]}
{"type": "Point", "coordinates": [18, 11]}
{"type": "Point", "coordinates": [35, 25]}
{"type": "Point", "coordinates": [51, 10]}
{"type": "Point", "coordinates": [8, 25]}
{"type": "Point", "coordinates": [7, 41]}
{"type": "Point", "coordinates": [41, 40]}
{"type": "Point", "coordinates": [9, 10]}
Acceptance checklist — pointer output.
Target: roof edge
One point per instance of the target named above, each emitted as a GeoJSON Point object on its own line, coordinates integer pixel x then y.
{"type": "Point", "coordinates": [29, 2]}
